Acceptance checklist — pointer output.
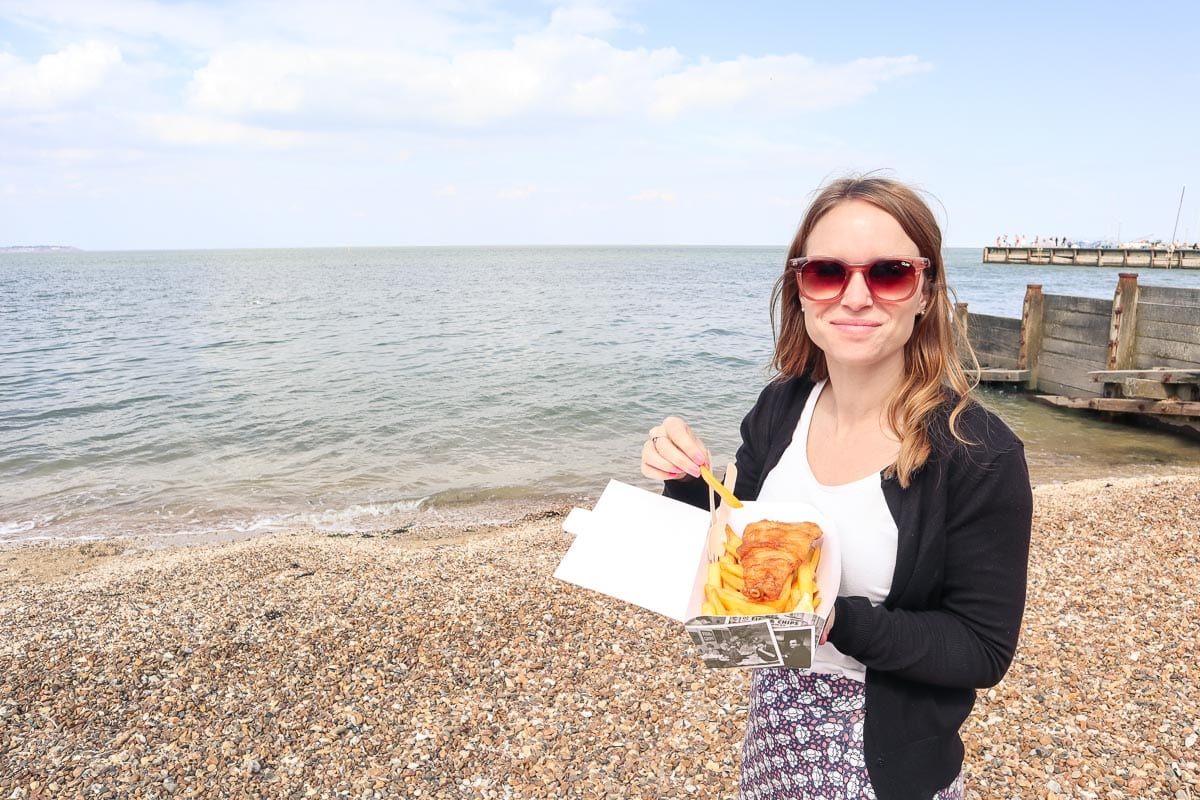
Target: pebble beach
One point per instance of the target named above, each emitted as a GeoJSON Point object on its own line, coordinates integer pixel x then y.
{"type": "Point", "coordinates": [449, 663]}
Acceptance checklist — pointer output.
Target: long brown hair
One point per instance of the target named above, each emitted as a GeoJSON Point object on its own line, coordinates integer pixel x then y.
{"type": "Point", "coordinates": [931, 357]}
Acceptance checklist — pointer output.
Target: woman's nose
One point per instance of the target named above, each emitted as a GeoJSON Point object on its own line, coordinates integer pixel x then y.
{"type": "Point", "coordinates": [857, 295]}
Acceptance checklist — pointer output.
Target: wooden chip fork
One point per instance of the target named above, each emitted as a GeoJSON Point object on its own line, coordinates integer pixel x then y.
{"type": "Point", "coordinates": [718, 517]}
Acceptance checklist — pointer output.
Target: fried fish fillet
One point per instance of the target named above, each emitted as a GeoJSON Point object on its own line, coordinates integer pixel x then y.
{"type": "Point", "coordinates": [770, 553]}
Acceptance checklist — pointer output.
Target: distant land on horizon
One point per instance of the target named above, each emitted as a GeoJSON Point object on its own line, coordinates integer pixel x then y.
{"type": "Point", "coordinates": [36, 248]}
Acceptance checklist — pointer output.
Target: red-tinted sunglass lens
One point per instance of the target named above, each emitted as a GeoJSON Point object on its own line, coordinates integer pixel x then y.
{"type": "Point", "coordinates": [892, 279]}
{"type": "Point", "coordinates": [822, 279]}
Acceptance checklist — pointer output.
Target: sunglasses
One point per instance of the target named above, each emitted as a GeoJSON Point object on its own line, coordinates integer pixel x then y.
{"type": "Point", "coordinates": [890, 279]}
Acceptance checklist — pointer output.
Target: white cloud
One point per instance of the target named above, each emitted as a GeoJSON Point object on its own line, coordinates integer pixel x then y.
{"type": "Point", "coordinates": [517, 193]}
{"type": "Point", "coordinates": [584, 20]}
{"type": "Point", "coordinates": [449, 190]}
{"type": "Point", "coordinates": [550, 73]}
{"type": "Point", "coordinates": [200, 27]}
{"type": "Point", "coordinates": [268, 65]}
{"type": "Point", "coordinates": [654, 196]}
{"type": "Point", "coordinates": [789, 83]}
{"type": "Point", "coordinates": [56, 79]}
{"type": "Point", "coordinates": [71, 154]}
{"type": "Point", "coordinates": [202, 131]}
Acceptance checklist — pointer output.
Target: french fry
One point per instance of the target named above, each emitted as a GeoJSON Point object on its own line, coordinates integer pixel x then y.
{"type": "Point", "coordinates": [731, 566]}
{"type": "Point", "coordinates": [794, 597]}
{"type": "Point", "coordinates": [805, 606]}
{"type": "Point", "coordinates": [731, 549]}
{"type": "Point", "coordinates": [804, 578]}
{"type": "Point", "coordinates": [738, 605]}
{"type": "Point", "coordinates": [707, 609]}
{"type": "Point", "coordinates": [711, 594]}
{"type": "Point", "coordinates": [718, 487]}
{"type": "Point", "coordinates": [732, 579]}
{"type": "Point", "coordinates": [732, 537]}
{"type": "Point", "coordinates": [714, 575]}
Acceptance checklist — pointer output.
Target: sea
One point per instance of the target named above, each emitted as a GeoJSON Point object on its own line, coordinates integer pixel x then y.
{"type": "Point", "coordinates": [173, 395]}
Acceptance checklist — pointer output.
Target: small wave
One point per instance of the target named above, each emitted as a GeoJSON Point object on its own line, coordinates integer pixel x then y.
{"type": "Point", "coordinates": [14, 529]}
{"type": "Point", "coordinates": [341, 519]}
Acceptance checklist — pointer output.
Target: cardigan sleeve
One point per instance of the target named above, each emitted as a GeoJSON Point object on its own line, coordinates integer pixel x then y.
{"type": "Point", "coordinates": [966, 635]}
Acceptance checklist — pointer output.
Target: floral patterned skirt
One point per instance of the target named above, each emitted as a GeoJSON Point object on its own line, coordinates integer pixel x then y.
{"type": "Point", "coordinates": [804, 739]}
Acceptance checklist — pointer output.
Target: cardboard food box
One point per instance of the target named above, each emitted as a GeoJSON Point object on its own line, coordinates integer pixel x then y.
{"type": "Point", "coordinates": [649, 550]}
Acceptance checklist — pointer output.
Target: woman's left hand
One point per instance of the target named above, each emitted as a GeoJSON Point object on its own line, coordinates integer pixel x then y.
{"type": "Point", "coordinates": [828, 626]}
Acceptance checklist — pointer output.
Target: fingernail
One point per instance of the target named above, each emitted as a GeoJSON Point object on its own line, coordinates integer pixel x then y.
{"type": "Point", "coordinates": [694, 472]}
{"type": "Point", "coordinates": [700, 460]}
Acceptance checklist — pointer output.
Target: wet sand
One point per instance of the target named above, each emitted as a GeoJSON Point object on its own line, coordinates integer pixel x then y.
{"type": "Point", "coordinates": [448, 663]}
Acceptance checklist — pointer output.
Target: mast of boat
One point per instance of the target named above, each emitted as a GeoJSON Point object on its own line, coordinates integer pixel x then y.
{"type": "Point", "coordinates": [1171, 246]}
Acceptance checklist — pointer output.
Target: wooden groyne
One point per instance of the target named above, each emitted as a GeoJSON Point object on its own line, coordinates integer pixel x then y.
{"type": "Point", "coordinates": [1137, 356]}
{"type": "Point", "coordinates": [1160, 258]}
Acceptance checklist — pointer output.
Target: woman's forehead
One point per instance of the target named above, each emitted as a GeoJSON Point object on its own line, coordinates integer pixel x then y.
{"type": "Point", "coordinates": [855, 230]}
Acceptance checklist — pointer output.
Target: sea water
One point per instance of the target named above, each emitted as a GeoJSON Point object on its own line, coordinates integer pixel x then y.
{"type": "Point", "coordinates": [217, 391]}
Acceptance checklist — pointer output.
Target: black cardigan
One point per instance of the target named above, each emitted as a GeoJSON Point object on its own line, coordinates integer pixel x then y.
{"type": "Point", "coordinates": [951, 621]}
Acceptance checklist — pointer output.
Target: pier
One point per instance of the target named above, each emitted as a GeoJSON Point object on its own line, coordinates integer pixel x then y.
{"type": "Point", "coordinates": [1154, 258]}
{"type": "Point", "coordinates": [1135, 358]}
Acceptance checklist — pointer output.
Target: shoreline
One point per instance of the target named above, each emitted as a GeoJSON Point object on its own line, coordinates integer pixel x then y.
{"type": "Point", "coordinates": [448, 663]}
{"type": "Point", "coordinates": [483, 510]}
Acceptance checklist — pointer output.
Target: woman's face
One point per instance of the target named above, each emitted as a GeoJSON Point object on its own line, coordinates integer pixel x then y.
{"type": "Point", "coordinates": [856, 330]}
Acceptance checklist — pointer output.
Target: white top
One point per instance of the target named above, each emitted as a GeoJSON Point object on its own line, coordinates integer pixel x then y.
{"type": "Point", "coordinates": [866, 531]}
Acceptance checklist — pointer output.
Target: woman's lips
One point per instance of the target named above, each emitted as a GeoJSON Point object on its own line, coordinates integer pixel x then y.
{"type": "Point", "coordinates": [851, 325]}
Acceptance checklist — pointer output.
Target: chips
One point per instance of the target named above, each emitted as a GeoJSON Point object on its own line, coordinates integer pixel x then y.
{"type": "Point", "coordinates": [723, 586]}
{"type": "Point", "coordinates": [718, 487]}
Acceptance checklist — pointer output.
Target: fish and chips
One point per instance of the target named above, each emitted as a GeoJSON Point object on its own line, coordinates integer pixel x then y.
{"type": "Point", "coordinates": [770, 569]}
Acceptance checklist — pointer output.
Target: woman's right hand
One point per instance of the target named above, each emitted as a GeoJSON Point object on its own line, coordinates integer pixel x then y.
{"type": "Point", "coordinates": [672, 451]}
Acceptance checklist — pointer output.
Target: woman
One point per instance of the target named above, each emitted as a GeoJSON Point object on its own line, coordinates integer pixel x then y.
{"type": "Point", "coordinates": [870, 419]}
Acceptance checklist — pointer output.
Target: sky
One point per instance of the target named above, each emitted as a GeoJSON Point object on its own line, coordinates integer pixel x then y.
{"type": "Point", "coordinates": [137, 124]}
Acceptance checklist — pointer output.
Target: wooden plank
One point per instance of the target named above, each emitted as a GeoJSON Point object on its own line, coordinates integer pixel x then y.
{"type": "Point", "coordinates": [1160, 375]}
{"type": "Point", "coordinates": [994, 349]}
{"type": "Point", "coordinates": [1007, 338]}
{"type": "Point", "coordinates": [1169, 295]}
{"type": "Point", "coordinates": [1044, 385]}
{"type": "Point", "coordinates": [988, 321]}
{"type": "Point", "coordinates": [1076, 316]}
{"type": "Point", "coordinates": [1160, 353]}
{"type": "Point", "coordinates": [1063, 371]}
{"type": "Point", "coordinates": [1123, 405]}
{"type": "Point", "coordinates": [1032, 328]}
{"type": "Point", "coordinates": [1096, 355]}
{"type": "Point", "coordinates": [1122, 328]}
{"type": "Point", "coordinates": [1133, 387]}
{"type": "Point", "coordinates": [1096, 332]}
{"type": "Point", "coordinates": [993, 359]}
{"type": "Point", "coordinates": [1161, 312]}
{"type": "Point", "coordinates": [1003, 349]}
{"type": "Point", "coordinates": [1003, 375]}
{"type": "Point", "coordinates": [989, 361]}
{"type": "Point", "coordinates": [1169, 331]}
{"type": "Point", "coordinates": [1082, 305]}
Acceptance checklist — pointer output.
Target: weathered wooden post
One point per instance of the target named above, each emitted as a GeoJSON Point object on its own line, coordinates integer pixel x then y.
{"type": "Point", "coordinates": [1122, 330]}
{"type": "Point", "coordinates": [1031, 332]}
{"type": "Point", "coordinates": [962, 344]}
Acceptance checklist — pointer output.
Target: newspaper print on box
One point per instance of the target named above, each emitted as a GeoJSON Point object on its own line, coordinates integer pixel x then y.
{"type": "Point", "coordinates": [782, 640]}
